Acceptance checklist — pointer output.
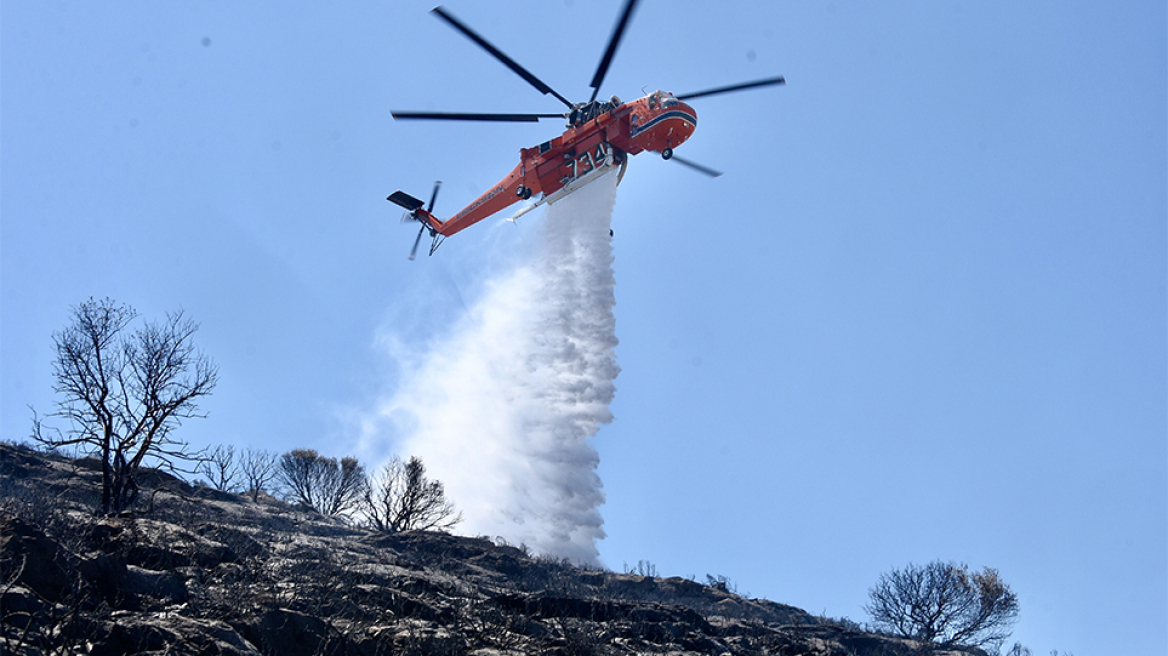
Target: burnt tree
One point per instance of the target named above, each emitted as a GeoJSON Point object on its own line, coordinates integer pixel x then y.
{"type": "Point", "coordinates": [327, 486]}
{"type": "Point", "coordinates": [400, 498]}
{"type": "Point", "coordinates": [123, 394]}
{"type": "Point", "coordinates": [945, 604]}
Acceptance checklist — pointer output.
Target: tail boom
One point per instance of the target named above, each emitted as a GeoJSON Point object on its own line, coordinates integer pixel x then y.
{"type": "Point", "coordinates": [503, 194]}
{"type": "Point", "coordinates": [500, 196]}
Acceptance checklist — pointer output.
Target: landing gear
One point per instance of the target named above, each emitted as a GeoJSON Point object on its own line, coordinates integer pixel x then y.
{"type": "Point", "coordinates": [667, 153]}
{"type": "Point", "coordinates": [523, 192]}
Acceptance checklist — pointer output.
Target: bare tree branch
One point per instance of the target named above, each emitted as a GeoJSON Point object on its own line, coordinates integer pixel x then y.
{"type": "Point", "coordinates": [123, 395]}
{"type": "Point", "coordinates": [258, 469]}
{"type": "Point", "coordinates": [400, 498]}
{"type": "Point", "coordinates": [220, 468]}
{"type": "Point", "coordinates": [945, 604]}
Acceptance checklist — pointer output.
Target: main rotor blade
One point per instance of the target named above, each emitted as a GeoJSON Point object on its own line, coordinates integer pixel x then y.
{"type": "Point", "coordinates": [498, 54]}
{"type": "Point", "coordinates": [695, 166]}
{"type": "Point", "coordinates": [734, 87]}
{"type": "Point", "coordinates": [470, 116]}
{"type": "Point", "coordinates": [613, 42]}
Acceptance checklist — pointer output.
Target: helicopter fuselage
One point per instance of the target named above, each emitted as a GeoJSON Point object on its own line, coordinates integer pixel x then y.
{"type": "Point", "coordinates": [595, 140]}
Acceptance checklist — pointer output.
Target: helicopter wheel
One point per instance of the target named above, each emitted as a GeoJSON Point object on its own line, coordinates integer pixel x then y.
{"type": "Point", "coordinates": [526, 194]}
{"type": "Point", "coordinates": [520, 190]}
{"type": "Point", "coordinates": [667, 153]}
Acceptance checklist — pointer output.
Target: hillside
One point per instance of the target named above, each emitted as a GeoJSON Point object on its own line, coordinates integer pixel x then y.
{"type": "Point", "coordinates": [197, 571]}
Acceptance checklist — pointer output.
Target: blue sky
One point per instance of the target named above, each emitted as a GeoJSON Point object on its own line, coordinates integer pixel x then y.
{"type": "Point", "coordinates": [923, 314]}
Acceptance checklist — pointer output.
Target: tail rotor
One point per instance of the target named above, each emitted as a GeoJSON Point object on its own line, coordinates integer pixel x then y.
{"type": "Point", "coordinates": [412, 205]}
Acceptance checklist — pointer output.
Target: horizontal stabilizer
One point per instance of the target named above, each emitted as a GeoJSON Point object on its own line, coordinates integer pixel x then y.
{"type": "Point", "coordinates": [405, 200]}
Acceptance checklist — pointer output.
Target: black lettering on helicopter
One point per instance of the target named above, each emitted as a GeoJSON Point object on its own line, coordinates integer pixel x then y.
{"type": "Point", "coordinates": [586, 162]}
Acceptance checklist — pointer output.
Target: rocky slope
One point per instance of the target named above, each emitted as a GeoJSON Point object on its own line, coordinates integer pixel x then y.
{"type": "Point", "coordinates": [197, 571]}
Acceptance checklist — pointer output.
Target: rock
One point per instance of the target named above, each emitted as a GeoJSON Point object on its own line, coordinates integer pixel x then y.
{"type": "Point", "coordinates": [105, 536]}
{"type": "Point", "coordinates": [164, 587]}
{"type": "Point", "coordinates": [22, 463]}
{"type": "Point", "coordinates": [289, 633]}
{"type": "Point", "coordinates": [236, 544]}
{"type": "Point", "coordinates": [156, 557]}
{"type": "Point", "coordinates": [157, 479]}
{"type": "Point", "coordinates": [171, 634]}
{"type": "Point", "coordinates": [32, 559]}
{"type": "Point", "coordinates": [429, 641]}
{"type": "Point", "coordinates": [21, 607]}
{"type": "Point", "coordinates": [106, 573]}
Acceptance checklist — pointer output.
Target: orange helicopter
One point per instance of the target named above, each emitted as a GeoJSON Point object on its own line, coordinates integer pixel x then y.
{"type": "Point", "coordinates": [600, 135]}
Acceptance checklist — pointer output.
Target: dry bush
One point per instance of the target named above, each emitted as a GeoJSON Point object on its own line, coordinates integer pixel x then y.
{"type": "Point", "coordinates": [329, 487]}
{"type": "Point", "coordinates": [220, 468]}
{"type": "Point", "coordinates": [258, 469]}
{"type": "Point", "coordinates": [945, 604]}
{"type": "Point", "coordinates": [401, 498]}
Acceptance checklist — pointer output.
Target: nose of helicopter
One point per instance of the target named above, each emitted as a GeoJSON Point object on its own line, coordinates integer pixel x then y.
{"type": "Point", "coordinates": [669, 123]}
{"type": "Point", "coordinates": [676, 124]}
{"type": "Point", "coordinates": [689, 122]}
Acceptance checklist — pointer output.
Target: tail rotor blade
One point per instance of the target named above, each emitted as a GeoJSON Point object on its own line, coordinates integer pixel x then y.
{"type": "Point", "coordinates": [697, 167]}
{"type": "Point", "coordinates": [434, 196]}
{"type": "Point", "coordinates": [418, 240]}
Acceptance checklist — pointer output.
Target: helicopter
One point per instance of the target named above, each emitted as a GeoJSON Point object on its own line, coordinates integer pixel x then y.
{"type": "Point", "coordinates": [600, 136]}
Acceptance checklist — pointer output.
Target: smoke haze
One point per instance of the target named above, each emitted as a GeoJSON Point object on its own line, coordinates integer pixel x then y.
{"type": "Point", "coordinates": [501, 409]}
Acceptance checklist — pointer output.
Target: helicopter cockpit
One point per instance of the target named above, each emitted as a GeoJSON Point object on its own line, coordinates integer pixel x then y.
{"type": "Point", "coordinates": [662, 99]}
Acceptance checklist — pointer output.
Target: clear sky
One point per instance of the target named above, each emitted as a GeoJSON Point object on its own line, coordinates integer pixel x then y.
{"type": "Point", "coordinates": [922, 315]}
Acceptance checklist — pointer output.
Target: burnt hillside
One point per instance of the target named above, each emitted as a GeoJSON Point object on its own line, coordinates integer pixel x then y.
{"type": "Point", "coordinates": [197, 571]}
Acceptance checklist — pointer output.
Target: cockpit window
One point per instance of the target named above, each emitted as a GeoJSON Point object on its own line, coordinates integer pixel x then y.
{"type": "Point", "coordinates": [663, 99]}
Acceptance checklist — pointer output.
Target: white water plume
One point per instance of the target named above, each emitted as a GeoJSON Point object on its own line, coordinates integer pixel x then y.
{"type": "Point", "coordinates": [501, 409]}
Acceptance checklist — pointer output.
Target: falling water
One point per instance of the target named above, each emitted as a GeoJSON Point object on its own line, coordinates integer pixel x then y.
{"type": "Point", "coordinates": [501, 409]}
